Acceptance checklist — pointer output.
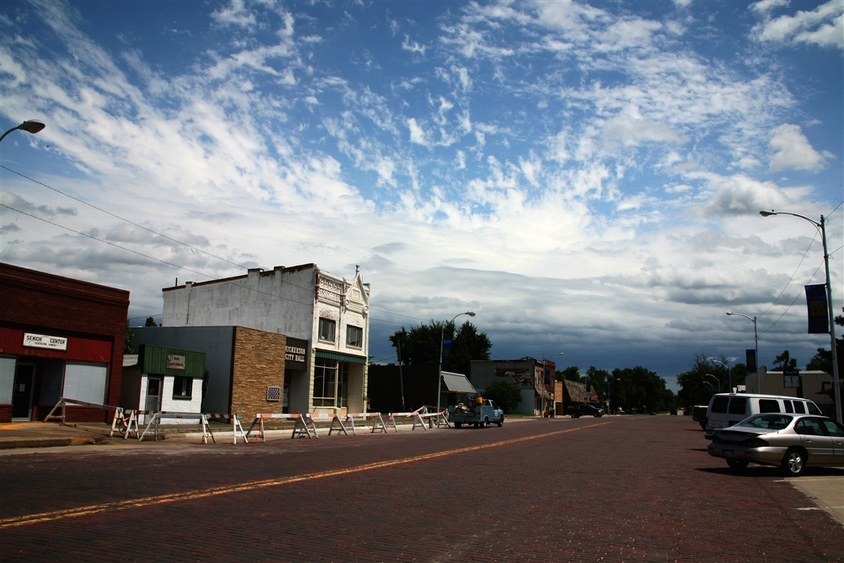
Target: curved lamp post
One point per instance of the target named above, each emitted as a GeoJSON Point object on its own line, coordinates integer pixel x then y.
{"type": "Point", "coordinates": [836, 384]}
{"type": "Point", "coordinates": [755, 345]}
{"type": "Point", "coordinates": [440, 371]}
{"type": "Point", "coordinates": [30, 126]}
{"type": "Point", "coordinates": [717, 381]}
{"type": "Point", "coordinates": [718, 362]}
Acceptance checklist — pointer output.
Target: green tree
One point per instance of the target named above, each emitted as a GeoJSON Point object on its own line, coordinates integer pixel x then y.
{"type": "Point", "coordinates": [784, 362]}
{"type": "Point", "coordinates": [506, 394]}
{"type": "Point", "coordinates": [421, 345]}
{"type": "Point", "coordinates": [822, 360]}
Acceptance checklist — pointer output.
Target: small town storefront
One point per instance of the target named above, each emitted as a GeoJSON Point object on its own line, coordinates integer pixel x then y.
{"type": "Point", "coordinates": [164, 379]}
{"type": "Point", "coordinates": [59, 338]}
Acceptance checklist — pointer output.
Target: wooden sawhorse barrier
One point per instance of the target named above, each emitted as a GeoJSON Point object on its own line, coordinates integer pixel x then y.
{"type": "Point", "coordinates": [377, 422]}
{"type": "Point", "coordinates": [303, 426]}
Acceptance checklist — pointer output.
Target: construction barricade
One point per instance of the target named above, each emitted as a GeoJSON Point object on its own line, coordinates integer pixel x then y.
{"type": "Point", "coordinates": [373, 418]}
{"type": "Point", "coordinates": [303, 425]}
{"type": "Point", "coordinates": [59, 410]}
{"type": "Point", "coordinates": [420, 418]}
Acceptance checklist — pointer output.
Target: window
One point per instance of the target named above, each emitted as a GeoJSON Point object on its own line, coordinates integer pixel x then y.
{"type": "Point", "coordinates": [354, 336]}
{"type": "Point", "coordinates": [769, 405]}
{"type": "Point", "coordinates": [85, 382]}
{"type": "Point", "coordinates": [325, 383]}
{"type": "Point", "coordinates": [800, 407]}
{"type": "Point", "coordinates": [326, 329]}
{"type": "Point", "coordinates": [738, 405]}
{"type": "Point", "coordinates": [788, 406]}
{"type": "Point", "coordinates": [182, 387]}
{"type": "Point", "coordinates": [719, 404]}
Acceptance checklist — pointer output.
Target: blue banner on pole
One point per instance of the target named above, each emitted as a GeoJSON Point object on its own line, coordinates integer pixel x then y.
{"type": "Point", "coordinates": [817, 308]}
{"type": "Point", "coordinates": [447, 342]}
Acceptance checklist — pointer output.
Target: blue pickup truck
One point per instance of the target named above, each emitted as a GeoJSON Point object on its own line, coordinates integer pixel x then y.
{"type": "Point", "coordinates": [478, 412]}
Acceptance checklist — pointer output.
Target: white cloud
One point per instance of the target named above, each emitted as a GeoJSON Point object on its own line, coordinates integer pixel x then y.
{"type": "Point", "coordinates": [823, 26]}
{"type": "Point", "coordinates": [792, 150]}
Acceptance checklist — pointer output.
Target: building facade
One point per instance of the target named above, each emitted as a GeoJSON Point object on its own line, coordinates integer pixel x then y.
{"type": "Point", "coordinates": [59, 338]}
{"type": "Point", "coordinates": [533, 377]}
{"type": "Point", "coordinates": [329, 313]}
{"type": "Point", "coordinates": [244, 368]}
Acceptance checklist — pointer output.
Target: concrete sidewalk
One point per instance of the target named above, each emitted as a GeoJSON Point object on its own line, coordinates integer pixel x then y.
{"type": "Point", "coordinates": [51, 434]}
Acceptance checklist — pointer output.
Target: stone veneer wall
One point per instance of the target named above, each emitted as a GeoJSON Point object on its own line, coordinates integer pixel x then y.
{"type": "Point", "coordinates": [258, 363]}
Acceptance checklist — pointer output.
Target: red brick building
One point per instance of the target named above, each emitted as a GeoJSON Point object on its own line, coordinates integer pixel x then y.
{"type": "Point", "coordinates": [59, 337]}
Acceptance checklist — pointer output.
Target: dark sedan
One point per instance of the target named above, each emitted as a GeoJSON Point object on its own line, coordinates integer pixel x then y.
{"type": "Point", "coordinates": [792, 442]}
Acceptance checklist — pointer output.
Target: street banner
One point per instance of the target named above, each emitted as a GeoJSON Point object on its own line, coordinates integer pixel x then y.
{"type": "Point", "coordinates": [816, 307]}
{"type": "Point", "coordinates": [750, 360]}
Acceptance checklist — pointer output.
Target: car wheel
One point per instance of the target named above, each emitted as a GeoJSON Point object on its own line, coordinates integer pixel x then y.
{"type": "Point", "coordinates": [501, 422]}
{"type": "Point", "coordinates": [737, 464]}
{"type": "Point", "coordinates": [458, 424]}
{"type": "Point", "coordinates": [794, 462]}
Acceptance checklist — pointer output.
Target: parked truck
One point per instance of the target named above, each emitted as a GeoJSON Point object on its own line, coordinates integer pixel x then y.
{"type": "Point", "coordinates": [476, 411]}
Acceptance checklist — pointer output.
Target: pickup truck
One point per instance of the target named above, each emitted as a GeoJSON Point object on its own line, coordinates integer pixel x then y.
{"type": "Point", "coordinates": [479, 412]}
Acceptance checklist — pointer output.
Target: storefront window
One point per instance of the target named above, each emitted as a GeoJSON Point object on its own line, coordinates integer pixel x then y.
{"type": "Point", "coordinates": [182, 387]}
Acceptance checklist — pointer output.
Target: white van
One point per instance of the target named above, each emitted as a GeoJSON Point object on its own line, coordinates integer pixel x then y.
{"type": "Point", "coordinates": [725, 409]}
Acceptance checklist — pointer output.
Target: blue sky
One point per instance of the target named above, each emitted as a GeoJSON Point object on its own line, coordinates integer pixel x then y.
{"type": "Point", "coordinates": [586, 177]}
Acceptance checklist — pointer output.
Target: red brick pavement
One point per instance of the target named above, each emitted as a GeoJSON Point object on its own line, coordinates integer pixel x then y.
{"type": "Point", "coordinates": [613, 489]}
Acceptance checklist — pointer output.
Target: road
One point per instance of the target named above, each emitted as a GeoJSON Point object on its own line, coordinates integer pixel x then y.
{"type": "Point", "coordinates": [627, 488]}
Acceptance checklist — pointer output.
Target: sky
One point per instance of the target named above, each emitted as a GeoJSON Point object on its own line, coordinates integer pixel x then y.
{"type": "Point", "coordinates": [584, 176]}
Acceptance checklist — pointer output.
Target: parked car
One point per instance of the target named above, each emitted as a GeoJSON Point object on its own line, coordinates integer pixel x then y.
{"type": "Point", "coordinates": [699, 415]}
{"type": "Point", "coordinates": [790, 441]}
{"type": "Point", "coordinates": [577, 411]}
{"type": "Point", "coordinates": [726, 409]}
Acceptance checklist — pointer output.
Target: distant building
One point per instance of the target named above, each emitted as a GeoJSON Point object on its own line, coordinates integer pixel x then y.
{"type": "Point", "coordinates": [328, 313]}
{"type": "Point", "coordinates": [533, 377]}
{"type": "Point", "coordinates": [59, 337]}
{"type": "Point", "coordinates": [814, 385]}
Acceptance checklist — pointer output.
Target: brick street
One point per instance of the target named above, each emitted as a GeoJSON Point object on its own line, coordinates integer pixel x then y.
{"type": "Point", "coordinates": [630, 488]}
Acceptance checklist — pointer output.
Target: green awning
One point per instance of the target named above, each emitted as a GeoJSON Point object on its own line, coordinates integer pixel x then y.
{"type": "Point", "coordinates": [340, 357]}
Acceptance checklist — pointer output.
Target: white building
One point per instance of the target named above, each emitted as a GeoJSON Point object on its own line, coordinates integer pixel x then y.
{"type": "Point", "coordinates": [302, 302]}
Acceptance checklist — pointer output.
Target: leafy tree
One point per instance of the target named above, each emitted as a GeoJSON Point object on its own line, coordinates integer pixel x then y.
{"type": "Point", "coordinates": [784, 362]}
{"type": "Point", "coordinates": [822, 360]}
{"type": "Point", "coordinates": [129, 340]}
{"type": "Point", "coordinates": [150, 322]}
{"type": "Point", "coordinates": [506, 394]}
{"type": "Point", "coordinates": [421, 345]}
{"type": "Point", "coordinates": [571, 373]}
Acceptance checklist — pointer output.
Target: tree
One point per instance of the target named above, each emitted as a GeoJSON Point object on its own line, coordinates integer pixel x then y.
{"type": "Point", "coordinates": [784, 362]}
{"type": "Point", "coordinates": [421, 345]}
{"type": "Point", "coordinates": [822, 360]}
{"type": "Point", "coordinates": [506, 394]}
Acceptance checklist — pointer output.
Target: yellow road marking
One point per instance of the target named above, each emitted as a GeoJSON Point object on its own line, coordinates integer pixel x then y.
{"type": "Point", "coordinates": [143, 502]}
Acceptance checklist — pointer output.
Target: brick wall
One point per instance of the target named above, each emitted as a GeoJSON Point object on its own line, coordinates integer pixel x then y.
{"type": "Point", "coordinates": [258, 364]}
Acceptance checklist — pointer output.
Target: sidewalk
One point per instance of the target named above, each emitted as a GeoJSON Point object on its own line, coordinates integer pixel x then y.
{"type": "Point", "coordinates": [51, 434]}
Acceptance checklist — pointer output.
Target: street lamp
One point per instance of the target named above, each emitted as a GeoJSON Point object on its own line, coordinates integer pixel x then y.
{"type": "Point", "coordinates": [717, 381]}
{"type": "Point", "coordinates": [30, 126]}
{"type": "Point", "coordinates": [440, 371]}
{"type": "Point", "coordinates": [755, 346]}
{"type": "Point", "coordinates": [726, 367]}
{"type": "Point", "coordinates": [836, 384]}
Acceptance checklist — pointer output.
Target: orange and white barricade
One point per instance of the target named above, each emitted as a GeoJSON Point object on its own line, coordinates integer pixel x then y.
{"type": "Point", "coordinates": [375, 417]}
{"type": "Point", "coordinates": [155, 422]}
{"type": "Point", "coordinates": [125, 422]}
{"type": "Point", "coordinates": [303, 425]}
{"type": "Point", "coordinates": [237, 429]}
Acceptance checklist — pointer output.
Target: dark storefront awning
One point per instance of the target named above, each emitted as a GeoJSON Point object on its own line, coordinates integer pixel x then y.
{"type": "Point", "coordinates": [339, 356]}
{"type": "Point", "coordinates": [458, 383]}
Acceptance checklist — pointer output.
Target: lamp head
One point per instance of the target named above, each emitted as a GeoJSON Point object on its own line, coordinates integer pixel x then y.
{"type": "Point", "coordinates": [31, 126]}
{"type": "Point", "coordinates": [730, 313]}
{"type": "Point", "coordinates": [470, 313]}
{"type": "Point", "coordinates": [767, 213]}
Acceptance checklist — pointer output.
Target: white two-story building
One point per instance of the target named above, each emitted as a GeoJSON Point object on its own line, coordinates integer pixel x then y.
{"type": "Point", "coordinates": [302, 302]}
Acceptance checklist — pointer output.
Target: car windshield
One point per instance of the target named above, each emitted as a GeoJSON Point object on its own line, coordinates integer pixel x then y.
{"type": "Point", "coordinates": [767, 421]}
